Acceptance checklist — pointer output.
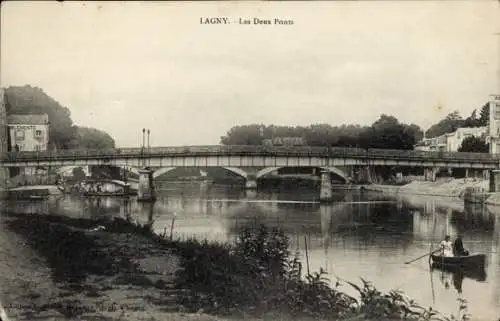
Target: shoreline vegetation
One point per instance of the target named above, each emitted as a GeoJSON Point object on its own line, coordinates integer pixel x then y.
{"type": "Point", "coordinates": [121, 270]}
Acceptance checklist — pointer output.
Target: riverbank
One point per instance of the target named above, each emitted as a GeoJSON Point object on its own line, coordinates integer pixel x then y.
{"type": "Point", "coordinates": [450, 188]}
{"type": "Point", "coordinates": [29, 192]}
{"type": "Point", "coordinates": [116, 270]}
{"type": "Point", "coordinates": [445, 187]}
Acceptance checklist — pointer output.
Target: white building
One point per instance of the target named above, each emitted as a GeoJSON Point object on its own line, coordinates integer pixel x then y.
{"type": "Point", "coordinates": [494, 122]}
{"type": "Point", "coordinates": [454, 140]}
{"type": "Point", "coordinates": [451, 142]}
{"type": "Point", "coordinates": [28, 132]}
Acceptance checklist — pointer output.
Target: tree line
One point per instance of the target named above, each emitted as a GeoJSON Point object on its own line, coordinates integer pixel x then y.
{"type": "Point", "coordinates": [454, 120]}
{"type": "Point", "coordinates": [386, 132]}
{"type": "Point", "coordinates": [63, 134]}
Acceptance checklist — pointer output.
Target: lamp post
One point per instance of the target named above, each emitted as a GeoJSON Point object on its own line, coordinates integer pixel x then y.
{"type": "Point", "coordinates": [143, 139]}
{"type": "Point", "coordinates": [149, 149]}
{"type": "Point", "coordinates": [149, 146]}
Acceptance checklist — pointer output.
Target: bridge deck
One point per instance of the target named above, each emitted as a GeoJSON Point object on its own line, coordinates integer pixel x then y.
{"type": "Point", "coordinates": [300, 151]}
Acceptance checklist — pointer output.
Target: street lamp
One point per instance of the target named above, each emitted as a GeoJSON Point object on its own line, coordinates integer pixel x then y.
{"type": "Point", "coordinates": [149, 146]}
{"type": "Point", "coordinates": [149, 149]}
{"type": "Point", "coordinates": [143, 139]}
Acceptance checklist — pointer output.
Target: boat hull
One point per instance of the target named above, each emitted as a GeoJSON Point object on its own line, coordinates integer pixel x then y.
{"type": "Point", "coordinates": [477, 261]}
{"type": "Point", "coordinates": [477, 274]}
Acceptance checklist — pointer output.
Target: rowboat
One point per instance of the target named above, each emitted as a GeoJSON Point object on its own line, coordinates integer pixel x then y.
{"type": "Point", "coordinates": [469, 261]}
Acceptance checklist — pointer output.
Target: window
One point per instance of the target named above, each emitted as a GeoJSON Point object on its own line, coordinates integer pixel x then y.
{"type": "Point", "coordinates": [38, 133]}
{"type": "Point", "coordinates": [19, 134]}
{"type": "Point", "coordinates": [37, 148]}
{"type": "Point", "coordinates": [497, 110]}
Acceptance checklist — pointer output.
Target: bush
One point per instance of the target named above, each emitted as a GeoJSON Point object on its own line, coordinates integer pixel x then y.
{"type": "Point", "coordinates": [259, 274]}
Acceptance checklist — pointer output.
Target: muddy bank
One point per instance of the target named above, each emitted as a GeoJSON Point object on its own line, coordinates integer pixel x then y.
{"type": "Point", "coordinates": [95, 272]}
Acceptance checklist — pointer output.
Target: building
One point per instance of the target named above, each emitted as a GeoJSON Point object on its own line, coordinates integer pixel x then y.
{"type": "Point", "coordinates": [28, 132]}
{"type": "Point", "coordinates": [3, 123]}
{"type": "Point", "coordinates": [454, 140]}
{"type": "Point", "coordinates": [451, 142]}
{"type": "Point", "coordinates": [284, 141]}
{"type": "Point", "coordinates": [432, 144]}
{"type": "Point", "coordinates": [3, 134]}
{"type": "Point", "coordinates": [494, 124]}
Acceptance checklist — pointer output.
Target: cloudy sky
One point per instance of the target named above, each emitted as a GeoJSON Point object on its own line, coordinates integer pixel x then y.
{"type": "Point", "coordinates": [124, 66]}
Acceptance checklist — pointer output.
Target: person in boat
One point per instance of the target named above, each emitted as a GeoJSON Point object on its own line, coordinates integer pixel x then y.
{"type": "Point", "coordinates": [458, 247]}
{"type": "Point", "coordinates": [446, 247]}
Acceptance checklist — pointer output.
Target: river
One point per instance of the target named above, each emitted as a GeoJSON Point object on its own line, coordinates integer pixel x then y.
{"type": "Point", "coordinates": [361, 234]}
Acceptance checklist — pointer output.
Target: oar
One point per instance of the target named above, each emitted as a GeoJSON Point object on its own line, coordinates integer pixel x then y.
{"type": "Point", "coordinates": [418, 258]}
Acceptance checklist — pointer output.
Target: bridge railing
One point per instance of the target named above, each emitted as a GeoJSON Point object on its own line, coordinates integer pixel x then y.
{"type": "Point", "coordinates": [236, 150]}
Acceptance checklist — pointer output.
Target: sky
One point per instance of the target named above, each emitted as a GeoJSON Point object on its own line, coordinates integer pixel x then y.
{"type": "Point", "coordinates": [121, 67]}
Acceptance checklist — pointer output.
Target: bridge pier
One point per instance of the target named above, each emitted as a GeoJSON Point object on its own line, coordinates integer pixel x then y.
{"type": "Point", "coordinates": [486, 174]}
{"type": "Point", "coordinates": [363, 174]}
{"type": "Point", "coordinates": [251, 179]}
{"type": "Point", "coordinates": [494, 181]}
{"type": "Point", "coordinates": [251, 184]}
{"type": "Point", "coordinates": [325, 193]}
{"type": "Point", "coordinates": [146, 190]}
{"type": "Point", "coordinates": [430, 174]}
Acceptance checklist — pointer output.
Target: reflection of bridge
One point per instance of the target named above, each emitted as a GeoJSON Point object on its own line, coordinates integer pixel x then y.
{"type": "Point", "coordinates": [252, 162]}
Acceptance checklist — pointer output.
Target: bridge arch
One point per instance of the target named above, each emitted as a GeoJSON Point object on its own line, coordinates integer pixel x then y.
{"type": "Point", "coordinates": [162, 171]}
{"type": "Point", "coordinates": [337, 171]}
{"type": "Point", "coordinates": [334, 170]}
{"type": "Point", "coordinates": [266, 171]}
{"type": "Point", "coordinates": [237, 171]}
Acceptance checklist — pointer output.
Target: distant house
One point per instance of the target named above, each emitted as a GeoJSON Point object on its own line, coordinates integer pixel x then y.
{"type": "Point", "coordinates": [29, 132]}
{"type": "Point", "coordinates": [3, 123]}
{"type": "Point", "coordinates": [451, 142]}
{"type": "Point", "coordinates": [284, 141]}
{"type": "Point", "coordinates": [3, 134]}
{"type": "Point", "coordinates": [494, 124]}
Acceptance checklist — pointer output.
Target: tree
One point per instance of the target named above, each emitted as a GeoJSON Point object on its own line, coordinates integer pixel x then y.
{"type": "Point", "coordinates": [473, 144]}
{"type": "Point", "coordinates": [91, 138]}
{"type": "Point", "coordinates": [63, 134]}
{"type": "Point", "coordinates": [33, 100]}
{"type": "Point", "coordinates": [484, 115]}
{"type": "Point", "coordinates": [244, 135]}
{"type": "Point", "coordinates": [447, 125]}
{"type": "Point", "coordinates": [386, 132]}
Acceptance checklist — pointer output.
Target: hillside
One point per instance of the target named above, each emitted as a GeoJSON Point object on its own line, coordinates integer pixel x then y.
{"type": "Point", "coordinates": [64, 134]}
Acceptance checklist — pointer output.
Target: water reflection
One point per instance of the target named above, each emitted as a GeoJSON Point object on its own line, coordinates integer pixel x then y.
{"type": "Point", "coordinates": [361, 234]}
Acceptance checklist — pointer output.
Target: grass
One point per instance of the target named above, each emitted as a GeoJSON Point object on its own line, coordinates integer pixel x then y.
{"type": "Point", "coordinates": [256, 276]}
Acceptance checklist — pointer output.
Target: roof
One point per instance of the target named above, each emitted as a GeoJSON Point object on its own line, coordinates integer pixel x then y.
{"type": "Point", "coordinates": [28, 119]}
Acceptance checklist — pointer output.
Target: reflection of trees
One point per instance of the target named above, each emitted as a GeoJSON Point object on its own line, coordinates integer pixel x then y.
{"type": "Point", "coordinates": [367, 223]}
{"type": "Point", "coordinates": [473, 219]}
